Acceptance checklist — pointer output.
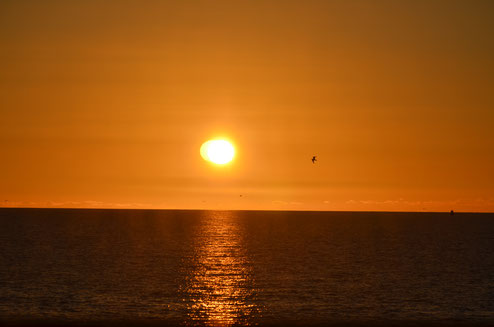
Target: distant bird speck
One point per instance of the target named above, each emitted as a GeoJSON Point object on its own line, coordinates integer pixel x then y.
{"type": "Point", "coordinates": [314, 159]}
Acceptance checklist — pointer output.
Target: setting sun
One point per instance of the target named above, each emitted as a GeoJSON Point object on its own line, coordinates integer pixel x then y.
{"type": "Point", "coordinates": [219, 152]}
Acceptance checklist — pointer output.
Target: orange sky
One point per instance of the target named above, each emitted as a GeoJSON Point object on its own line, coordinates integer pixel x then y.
{"type": "Point", "coordinates": [106, 104]}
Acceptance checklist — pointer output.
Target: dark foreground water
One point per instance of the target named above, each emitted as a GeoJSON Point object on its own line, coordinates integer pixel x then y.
{"type": "Point", "coordinates": [222, 268]}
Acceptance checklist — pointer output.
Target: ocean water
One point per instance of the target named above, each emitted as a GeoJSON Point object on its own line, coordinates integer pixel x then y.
{"type": "Point", "coordinates": [226, 268]}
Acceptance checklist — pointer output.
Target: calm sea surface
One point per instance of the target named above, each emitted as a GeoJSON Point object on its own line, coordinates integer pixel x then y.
{"type": "Point", "coordinates": [223, 268]}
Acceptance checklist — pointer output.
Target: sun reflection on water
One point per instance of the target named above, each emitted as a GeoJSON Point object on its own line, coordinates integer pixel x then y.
{"type": "Point", "coordinates": [218, 290]}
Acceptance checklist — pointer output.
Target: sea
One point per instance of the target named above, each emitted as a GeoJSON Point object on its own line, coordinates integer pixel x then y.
{"type": "Point", "coordinates": [245, 268]}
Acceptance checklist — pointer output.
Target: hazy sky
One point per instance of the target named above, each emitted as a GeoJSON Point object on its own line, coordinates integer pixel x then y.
{"type": "Point", "coordinates": [106, 104]}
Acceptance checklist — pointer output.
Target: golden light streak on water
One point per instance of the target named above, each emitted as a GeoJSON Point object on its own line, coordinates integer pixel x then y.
{"type": "Point", "coordinates": [218, 288]}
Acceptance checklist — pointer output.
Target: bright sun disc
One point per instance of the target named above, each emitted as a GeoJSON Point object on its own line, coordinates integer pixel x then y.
{"type": "Point", "coordinates": [219, 152]}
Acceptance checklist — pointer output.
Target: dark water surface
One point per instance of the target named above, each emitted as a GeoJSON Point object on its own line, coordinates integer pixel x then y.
{"type": "Point", "coordinates": [222, 268]}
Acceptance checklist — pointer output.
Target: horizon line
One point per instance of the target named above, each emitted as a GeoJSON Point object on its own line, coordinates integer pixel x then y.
{"type": "Point", "coordinates": [273, 210]}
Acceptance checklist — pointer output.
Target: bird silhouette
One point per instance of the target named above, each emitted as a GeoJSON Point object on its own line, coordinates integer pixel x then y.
{"type": "Point", "coordinates": [314, 159]}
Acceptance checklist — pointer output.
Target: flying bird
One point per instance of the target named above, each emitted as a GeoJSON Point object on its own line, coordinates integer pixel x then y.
{"type": "Point", "coordinates": [314, 159]}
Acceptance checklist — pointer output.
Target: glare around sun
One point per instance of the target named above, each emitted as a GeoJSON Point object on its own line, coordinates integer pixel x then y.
{"type": "Point", "coordinates": [218, 151]}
